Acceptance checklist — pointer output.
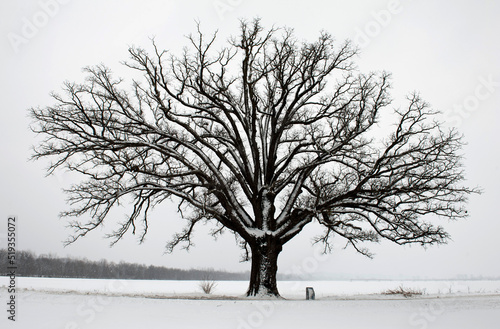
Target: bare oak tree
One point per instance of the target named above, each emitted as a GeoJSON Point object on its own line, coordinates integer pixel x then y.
{"type": "Point", "coordinates": [263, 137]}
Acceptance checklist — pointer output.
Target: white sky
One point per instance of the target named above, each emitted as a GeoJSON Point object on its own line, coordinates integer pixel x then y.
{"type": "Point", "coordinates": [448, 50]}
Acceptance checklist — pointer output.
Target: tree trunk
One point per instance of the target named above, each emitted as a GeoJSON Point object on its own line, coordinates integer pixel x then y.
{"type": "Point", "coordinates": [265, 253]}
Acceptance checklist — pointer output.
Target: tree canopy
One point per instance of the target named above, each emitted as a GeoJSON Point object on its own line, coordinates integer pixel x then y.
{"type": "Point", "coordinates": [263, 136]}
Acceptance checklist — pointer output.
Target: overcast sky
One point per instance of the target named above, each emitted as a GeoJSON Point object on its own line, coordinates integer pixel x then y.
{"type": "Point", "coordinates": [447, 50]}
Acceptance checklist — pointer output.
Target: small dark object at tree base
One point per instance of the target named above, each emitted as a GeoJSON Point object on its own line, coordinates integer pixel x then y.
{"type": "Point", "coordinates": [310, 293]}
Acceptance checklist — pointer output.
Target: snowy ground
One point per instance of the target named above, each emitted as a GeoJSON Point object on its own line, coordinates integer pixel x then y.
{"type": "Point", "coordinates": [75, 303]}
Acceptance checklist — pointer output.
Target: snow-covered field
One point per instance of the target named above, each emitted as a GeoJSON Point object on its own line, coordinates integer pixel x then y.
{"type": "Point", "coordinates": [77, 303]}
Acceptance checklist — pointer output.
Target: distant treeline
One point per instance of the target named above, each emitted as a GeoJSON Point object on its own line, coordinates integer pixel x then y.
{"type": "Point", "coordinates": [31, 265]}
